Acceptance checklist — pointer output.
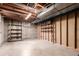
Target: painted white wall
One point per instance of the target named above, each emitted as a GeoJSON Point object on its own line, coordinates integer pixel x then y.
{"type": "Point", "coordinates": [1, 29]}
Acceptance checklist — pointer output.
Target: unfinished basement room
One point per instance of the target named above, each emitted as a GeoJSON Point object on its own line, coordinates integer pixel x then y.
{"type": "Point", "coordinates": [39, 29]}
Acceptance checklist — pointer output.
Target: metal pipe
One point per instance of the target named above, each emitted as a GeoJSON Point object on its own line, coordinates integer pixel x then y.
{"type": "Point", "coordinates": [55, 10]}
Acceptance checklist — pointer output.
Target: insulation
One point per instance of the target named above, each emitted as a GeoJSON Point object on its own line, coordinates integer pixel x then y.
{"type": "Point", "coordinates": [54, 32]}
{"type": "Point", "coordinates": [71, 30]}
{"type": "Point", "coordinates": [64, 29]}
{"type": "Point", "coordinates": [58, 30]}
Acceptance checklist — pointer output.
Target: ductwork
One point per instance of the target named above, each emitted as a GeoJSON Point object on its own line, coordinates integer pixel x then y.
{"type": "Point", "coordinates": [54, 10]}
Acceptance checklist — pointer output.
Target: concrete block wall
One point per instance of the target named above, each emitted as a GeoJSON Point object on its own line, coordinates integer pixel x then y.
{"type": "Point", "coordinates": [5, 30]}
{"type": "Point", "coordinates": [1, 29]}
{"type": "Point", "coordinates": [29, 31]}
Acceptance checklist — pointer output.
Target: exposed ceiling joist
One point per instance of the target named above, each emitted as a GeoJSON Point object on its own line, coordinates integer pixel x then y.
{"type": "Point", "coordinates": [20, 11]}
{"type": "Point", "coordinates": [14, 15]}
{"type": "Point", "coordinates": [5, 7]}
{"type": "Point", "coordinates": [25, 8]}
{"type": "Point", "coordinates": [24, 15]}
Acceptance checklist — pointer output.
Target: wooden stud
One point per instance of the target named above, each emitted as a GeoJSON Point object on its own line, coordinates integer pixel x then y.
{"type": "Point", "coordinates": [77, 29]}
{"type": "Point", "coordinates": [60, 30]}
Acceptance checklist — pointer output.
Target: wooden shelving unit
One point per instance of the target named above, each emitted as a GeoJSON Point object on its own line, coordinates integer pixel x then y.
{"type": "Point", "coordinates": [14, 30]}
{"type": "Point", "coordinates": [48, 31]}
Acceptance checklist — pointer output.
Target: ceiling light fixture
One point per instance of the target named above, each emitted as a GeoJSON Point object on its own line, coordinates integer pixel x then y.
{"type": "Point", "coordinates": [28, 16]}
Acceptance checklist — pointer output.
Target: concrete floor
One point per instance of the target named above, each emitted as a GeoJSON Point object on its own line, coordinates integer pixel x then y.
{"type": "Point", "coordinates": [34, 48]}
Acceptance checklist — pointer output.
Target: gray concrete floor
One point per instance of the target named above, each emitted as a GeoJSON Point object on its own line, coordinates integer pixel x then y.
{"type": "Point", "coordinates": [34, 48]}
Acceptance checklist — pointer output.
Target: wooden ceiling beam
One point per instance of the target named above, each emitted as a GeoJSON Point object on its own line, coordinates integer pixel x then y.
{"type": "Point", "coordinates": [14, 9]}
{"type": "Point", "coordinates": [21, 7]}
{"type": "Point", "coordinates": [26, 8]}
{"type": "Point", "coordinates": [15, 16]}
{"type": "Point", "coordinates": [15, 13]}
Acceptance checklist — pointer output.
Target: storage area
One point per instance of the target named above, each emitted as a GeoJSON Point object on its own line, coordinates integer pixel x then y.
{"type": "Point", "coordinates": [39, 29]}
{"type": "Point", "coordinates": [64, 30]}
{"type": "Point", "coordinates": [14, 30]}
